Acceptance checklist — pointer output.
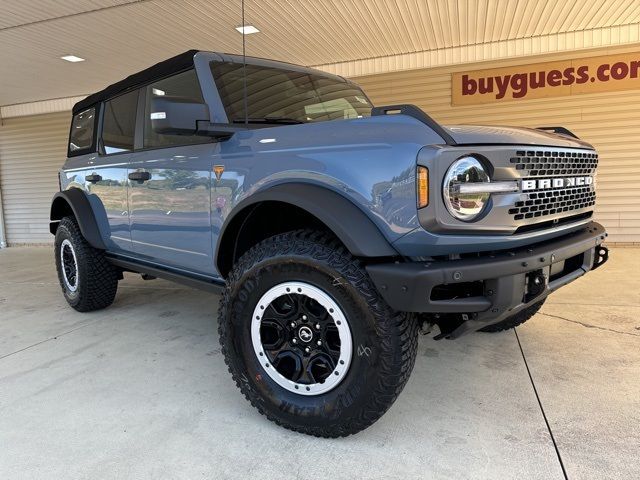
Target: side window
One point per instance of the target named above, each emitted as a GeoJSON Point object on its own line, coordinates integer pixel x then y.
{"type": "Point", "coordinates": [119, 123]}
{"type": "Point", "coordinates": [183, 85]}
{"type": "Point", "coordinates": [81, 135]}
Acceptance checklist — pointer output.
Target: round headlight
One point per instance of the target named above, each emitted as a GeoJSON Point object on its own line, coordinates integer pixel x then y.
{"type": "Point", "coordinates": [462, 188]}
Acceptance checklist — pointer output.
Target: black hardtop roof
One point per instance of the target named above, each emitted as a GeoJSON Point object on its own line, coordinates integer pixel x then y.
{"type": "Point", "coordinates": [162, 69]}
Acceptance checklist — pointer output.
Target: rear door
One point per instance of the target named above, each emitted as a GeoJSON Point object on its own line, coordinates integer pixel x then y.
{"type": "Point", "coordinates": [108, 177]}
{"type": "Point", "coordinates": [170, 202]}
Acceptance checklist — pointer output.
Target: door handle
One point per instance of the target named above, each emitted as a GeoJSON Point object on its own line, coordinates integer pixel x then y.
{"type": "Point", "coordinates": [140, 177]}
{"type": "Point", "coordinates": [93, 178]}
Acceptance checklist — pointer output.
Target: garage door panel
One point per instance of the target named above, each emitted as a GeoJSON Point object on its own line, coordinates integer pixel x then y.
{"type": "Point", "coordinates": [32, 150]}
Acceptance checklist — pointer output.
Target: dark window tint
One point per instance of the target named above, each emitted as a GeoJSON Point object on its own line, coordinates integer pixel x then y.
{"type": "Point", "coordinates": [81, 136]}
{"type": "Point", "coordinates": [274, 93]}
{"type": "Point", "coordinates": [184, 85]}
{"type": "Point", "coordinates": [119, 123]}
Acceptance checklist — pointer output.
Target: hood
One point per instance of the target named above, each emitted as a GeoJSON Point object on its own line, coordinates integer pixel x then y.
{"type": "Point", "coordinates": [484, 134]}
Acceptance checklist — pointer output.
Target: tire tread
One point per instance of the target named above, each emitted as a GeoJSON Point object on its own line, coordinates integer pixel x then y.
{"type": "Point", "coordinates": [397, 330]}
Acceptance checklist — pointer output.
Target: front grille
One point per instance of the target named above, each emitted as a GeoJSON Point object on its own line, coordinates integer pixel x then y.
{"type": "Point", "coordinates": [547, 163]}
{"type": "Point", "coordinates": [540, 203]}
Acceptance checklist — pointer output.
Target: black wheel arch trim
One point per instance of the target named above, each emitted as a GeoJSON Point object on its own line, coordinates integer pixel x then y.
{"type": "Point", "coordinates": [348, 222]}
{"type": "Point", "coordinates": [83, 210]}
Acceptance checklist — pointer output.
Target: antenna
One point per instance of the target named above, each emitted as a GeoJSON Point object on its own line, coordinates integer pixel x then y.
{"type": "Point", "coordinates": [244, 70]}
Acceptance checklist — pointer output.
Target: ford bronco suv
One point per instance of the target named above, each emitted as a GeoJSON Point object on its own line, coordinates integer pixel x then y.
{"type": "Point", "coordinates": [334, 230]}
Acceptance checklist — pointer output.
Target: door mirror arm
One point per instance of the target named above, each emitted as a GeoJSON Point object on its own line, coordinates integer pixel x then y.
{"type": "Point", "coordinates": [218, 131]}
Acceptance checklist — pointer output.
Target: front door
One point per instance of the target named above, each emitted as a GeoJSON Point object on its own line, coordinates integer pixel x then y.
{"type": "Point", "coordinates": [170, 187]}
{"type": "Point", "coordinates": [170, 212]}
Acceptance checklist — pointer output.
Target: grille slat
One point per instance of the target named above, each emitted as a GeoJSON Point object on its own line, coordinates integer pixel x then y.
{"type": "Point", "coordinates": [541, 203]}
{"type": "Point", "coordinates": [555, 163]}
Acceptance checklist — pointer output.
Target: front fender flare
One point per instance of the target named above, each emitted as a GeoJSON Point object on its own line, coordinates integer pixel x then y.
{"type": "Point", "coordinates": [348, 222]}
{"type": "Point", "coordinates": [79, 203]}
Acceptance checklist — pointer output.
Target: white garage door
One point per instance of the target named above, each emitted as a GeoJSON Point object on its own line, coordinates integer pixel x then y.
{"type": "Point", "coordinates": [32, 149]}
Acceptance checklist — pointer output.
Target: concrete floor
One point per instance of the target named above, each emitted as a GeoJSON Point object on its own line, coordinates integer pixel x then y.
{"type": "Point", "coordinates": [140, 390]}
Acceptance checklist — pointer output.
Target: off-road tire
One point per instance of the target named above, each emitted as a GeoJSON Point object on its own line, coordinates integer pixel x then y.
{"type": "Point", "coordinates": [97, 279]}
{"type": "Point", "coordinates": [384, 341]}
{"type": "Point", "coordinates": [515, 320]}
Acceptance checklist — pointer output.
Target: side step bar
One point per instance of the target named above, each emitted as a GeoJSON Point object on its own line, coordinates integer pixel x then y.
{"type": "Point", "coordinates": [195, 281]}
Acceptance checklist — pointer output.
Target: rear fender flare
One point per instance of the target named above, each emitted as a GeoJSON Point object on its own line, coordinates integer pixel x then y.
{"type": "Point", "coordinates": [90, 215]}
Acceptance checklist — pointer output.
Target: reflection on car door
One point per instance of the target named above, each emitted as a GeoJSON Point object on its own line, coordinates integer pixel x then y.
{"type": "Point", "coordinates": [170, 212]}
{"type": "Point", "coordinates": [107, 179]}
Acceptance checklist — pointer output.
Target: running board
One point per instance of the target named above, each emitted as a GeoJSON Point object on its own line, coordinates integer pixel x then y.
{"type": "Point", "coordinates": [195, 281]}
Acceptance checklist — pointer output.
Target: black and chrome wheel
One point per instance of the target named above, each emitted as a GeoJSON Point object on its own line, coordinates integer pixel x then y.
{"type": "Point", "coordinates": [302, 338]}
{"type": "Point", "coordinates": [89, 282]}
{"type": "Point", "coordinates": [69, 265]}
{"type": "Point", "coordinates": [308, 339]}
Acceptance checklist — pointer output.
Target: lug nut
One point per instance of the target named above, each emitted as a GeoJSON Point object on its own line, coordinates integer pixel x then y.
{"type": "Point", "coordinates": [307, 349]}
{"type": "Point", "coordinates": [319, 342]}
{"type": "Point", "coordinates": [294, 340]}
{"type": "Point", "coordinates": [293, 324]}
{"type": "Point", "coordinates": [317, 326]}
{"type": "Point", "coordinates": [304, 317]}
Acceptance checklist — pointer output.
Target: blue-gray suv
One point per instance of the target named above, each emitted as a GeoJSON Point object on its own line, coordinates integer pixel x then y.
{"type": "Point", "coordinates": [334, 230]}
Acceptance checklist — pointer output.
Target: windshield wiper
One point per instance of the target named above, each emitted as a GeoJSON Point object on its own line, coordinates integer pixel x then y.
{"type": "Point", "coordinates": [277, 120]}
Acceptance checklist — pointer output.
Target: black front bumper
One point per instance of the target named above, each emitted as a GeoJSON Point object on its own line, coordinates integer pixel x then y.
{"type": "Point", "coordinates": [502, 282]}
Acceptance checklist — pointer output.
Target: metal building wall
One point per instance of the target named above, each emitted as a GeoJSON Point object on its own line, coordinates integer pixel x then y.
{"type": "Point", "coordinates": [609, 121]}
{"type": "Point", "coordinates": [32, 149]}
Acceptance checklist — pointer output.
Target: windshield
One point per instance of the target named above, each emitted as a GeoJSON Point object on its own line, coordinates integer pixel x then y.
{"type": "Point", "coordinates": [276, 95]}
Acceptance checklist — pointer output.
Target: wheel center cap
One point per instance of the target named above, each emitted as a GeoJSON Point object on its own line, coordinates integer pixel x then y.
{"type": "Point", "coordinates": [305, 334]}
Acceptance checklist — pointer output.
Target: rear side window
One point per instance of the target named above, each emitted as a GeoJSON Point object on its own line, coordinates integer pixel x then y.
{"type": "Point", "coordinates": [184, 85]}
{"type": "Point", "coordinates": [119, 123]}
{"type": "Point", "coordinates": [81, 135]}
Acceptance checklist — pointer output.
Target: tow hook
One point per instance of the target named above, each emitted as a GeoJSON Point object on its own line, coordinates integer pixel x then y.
{"type": "Point", "coordinates": [536, 284]}
{"type": "Point", "coordinates": [601, 256]}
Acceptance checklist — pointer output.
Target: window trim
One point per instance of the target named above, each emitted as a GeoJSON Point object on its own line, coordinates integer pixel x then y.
{"type": "Point", "coordinates": [96, 121]}
{"type": "Point", "coordinates": [135, 125]}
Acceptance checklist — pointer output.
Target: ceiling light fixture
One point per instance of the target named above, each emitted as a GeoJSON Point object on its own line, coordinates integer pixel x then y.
{"type": "Point", "coordinates": [247, 29]}
{"type": "Point", "coordinates": [72, 58]}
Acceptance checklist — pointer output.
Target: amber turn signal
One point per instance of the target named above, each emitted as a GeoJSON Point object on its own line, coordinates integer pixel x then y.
{"type": "Point", "coordinates": [423, 186]}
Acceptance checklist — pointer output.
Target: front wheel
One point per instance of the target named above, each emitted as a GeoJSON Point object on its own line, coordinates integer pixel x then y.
{"type": "Point", "coordinates": [308, 339]}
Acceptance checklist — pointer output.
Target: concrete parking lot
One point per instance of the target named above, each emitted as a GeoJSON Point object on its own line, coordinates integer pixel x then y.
{"type": "Point", "coordinates": [140, 390]}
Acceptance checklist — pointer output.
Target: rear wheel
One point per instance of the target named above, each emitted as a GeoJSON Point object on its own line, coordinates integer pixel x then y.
{"type": "Point", "coordinates": [308, 339]}
{"type": "Point", "coordinates": [89, 282]}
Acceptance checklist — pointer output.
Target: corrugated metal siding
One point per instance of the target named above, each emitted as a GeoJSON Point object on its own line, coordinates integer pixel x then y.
{"type": "Point", "coordinates": [416, 33]}
{"type": "Point", "coordinates": [609, 121]}
{"type": "Point", "coordinates": [32, 149]}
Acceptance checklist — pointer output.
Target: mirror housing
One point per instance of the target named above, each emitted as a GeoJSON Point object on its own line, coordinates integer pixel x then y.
{"type": "Point", "coordinates": [183, 116]}
{"type": "Point", "coordinates": [177, 115]}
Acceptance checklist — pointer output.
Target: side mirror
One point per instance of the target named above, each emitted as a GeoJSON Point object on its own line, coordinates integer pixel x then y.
{"type": "Point", "coordinates": [177, 115]}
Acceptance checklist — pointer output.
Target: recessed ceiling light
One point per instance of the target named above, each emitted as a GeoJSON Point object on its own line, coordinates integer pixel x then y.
{"type": "Point", "coordinates": [72, 58]}
{"type": "Point", "coordinates": [247, 29]}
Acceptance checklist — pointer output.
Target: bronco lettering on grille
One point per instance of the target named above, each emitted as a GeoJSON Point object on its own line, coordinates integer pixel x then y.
{"type": "Point", "coordinates": [546, 183]}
